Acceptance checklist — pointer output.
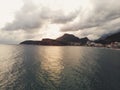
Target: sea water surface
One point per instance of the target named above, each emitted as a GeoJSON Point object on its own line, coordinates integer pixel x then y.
{"type": "Point", "coordinates": [30, 67]}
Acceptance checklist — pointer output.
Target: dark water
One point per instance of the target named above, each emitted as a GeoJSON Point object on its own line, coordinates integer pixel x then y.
{"type": "Point", "coordinates": [58, 68]}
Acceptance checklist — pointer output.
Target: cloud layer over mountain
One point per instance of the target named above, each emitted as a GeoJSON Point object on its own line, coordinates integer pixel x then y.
{"type": "Point", "coordinates": [94, 19]}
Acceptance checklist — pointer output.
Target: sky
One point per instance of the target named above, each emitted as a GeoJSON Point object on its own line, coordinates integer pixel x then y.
{"type": "Point", "coordinates": [36, 19]}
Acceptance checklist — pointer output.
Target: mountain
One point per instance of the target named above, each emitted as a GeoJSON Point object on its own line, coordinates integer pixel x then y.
{"type": "Point", "coordinates": [113, 38]}
{"type": "Point", "coordinates": [44, 42]}
{"type": "Point", "coordinates": [72, 38]}
{"type": "Point", "coordinates": [66, 39]}
{"type": "Point", "coordinates": [109, 39]}
{"type": "Point", "coordinates": [31, 42]}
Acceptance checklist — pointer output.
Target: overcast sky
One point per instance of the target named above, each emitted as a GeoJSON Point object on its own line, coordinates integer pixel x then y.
{"type": "Point", "coordinates": [36, 19]}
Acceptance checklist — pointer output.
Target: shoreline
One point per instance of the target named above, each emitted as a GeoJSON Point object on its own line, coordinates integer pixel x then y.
{"type": "Point", "coordinates": [64, 46]}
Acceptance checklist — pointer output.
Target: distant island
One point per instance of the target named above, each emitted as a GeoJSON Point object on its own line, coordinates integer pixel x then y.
{"type": "Point", "coordinates": [111, 41]}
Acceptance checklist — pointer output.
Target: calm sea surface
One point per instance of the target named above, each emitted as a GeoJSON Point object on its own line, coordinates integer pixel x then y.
{"type": "Point", "coordinates": [58, 68]}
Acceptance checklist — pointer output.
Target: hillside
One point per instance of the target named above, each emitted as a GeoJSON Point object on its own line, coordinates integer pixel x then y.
{"type": "Point", "coordinates": [109, 39]}
{"type": "Point", "coordinates": [66, 39]}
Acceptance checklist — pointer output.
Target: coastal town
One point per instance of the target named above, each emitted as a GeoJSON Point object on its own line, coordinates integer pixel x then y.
{"type": "Point", "coordinates": [111, 45]}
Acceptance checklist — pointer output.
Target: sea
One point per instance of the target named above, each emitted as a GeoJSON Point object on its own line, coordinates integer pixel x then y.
{"type": "Point", "coordinates": [30, 67]}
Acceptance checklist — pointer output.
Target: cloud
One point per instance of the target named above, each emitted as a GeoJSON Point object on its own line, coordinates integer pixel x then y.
{"type": "Point", "coordinates": [62, 18]}
{"type": "Point", "coordinates": [27, 18]}
{"type": "Point", "coordinates": [102, 15]}
{"type": "Point", "coordinates": [94, 19]}
{"type": "Point", "coordinates": [12, 37]}
{"type": "Point", "coordinates": [31, 17]}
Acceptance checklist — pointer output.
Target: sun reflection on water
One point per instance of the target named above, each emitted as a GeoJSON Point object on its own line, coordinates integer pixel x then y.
{"type": "Point", "coordinates": [52, 64]}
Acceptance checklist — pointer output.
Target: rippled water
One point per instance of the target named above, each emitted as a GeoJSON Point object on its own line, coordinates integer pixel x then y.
{"type": "Point", "coordinates": [58, 68]}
